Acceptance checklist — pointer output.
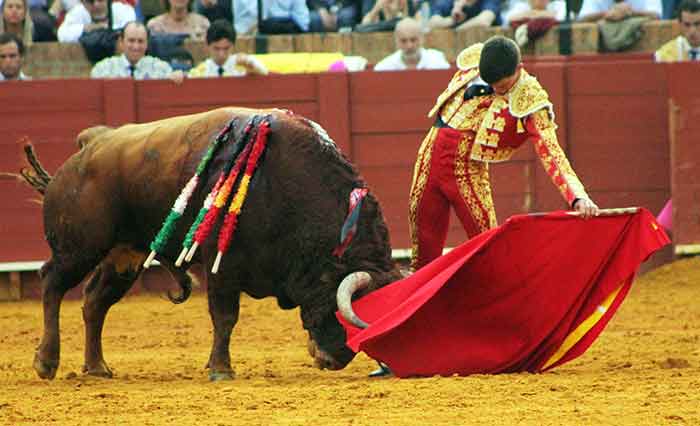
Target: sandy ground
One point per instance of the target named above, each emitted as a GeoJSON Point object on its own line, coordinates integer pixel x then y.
{"type": "Point", "coordinates": [644, 370]}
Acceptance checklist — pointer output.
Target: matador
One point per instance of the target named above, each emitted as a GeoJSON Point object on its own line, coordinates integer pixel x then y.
{"type": "Point", "coordinates": [490, 108]}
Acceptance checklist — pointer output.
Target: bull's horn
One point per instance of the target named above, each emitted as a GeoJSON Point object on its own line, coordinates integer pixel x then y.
{"type": "Point", "coordinates": [350, 284]}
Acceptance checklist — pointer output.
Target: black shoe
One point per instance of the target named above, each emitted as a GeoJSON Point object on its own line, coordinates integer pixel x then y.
{"type": "Point", "coordinates": [382, 371]}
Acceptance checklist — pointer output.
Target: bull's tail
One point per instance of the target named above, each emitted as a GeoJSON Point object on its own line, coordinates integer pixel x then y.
{"type": "Point", "coordinates": [35, 175]}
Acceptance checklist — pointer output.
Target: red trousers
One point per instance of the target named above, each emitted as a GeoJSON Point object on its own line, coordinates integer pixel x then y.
{"type": "Point", "coordinates": [445, 176]}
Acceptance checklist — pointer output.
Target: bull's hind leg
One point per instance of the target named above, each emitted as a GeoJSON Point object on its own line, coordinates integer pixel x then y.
{"type": "Point", "coordinates": [112, 279]}
{"type": "Point", "coordinates": [57, 279]}
{"type": "Point", "coordinates": [224, 306]}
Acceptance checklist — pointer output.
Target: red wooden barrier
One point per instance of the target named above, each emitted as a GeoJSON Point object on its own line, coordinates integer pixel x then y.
{"type": "Point", "coordinates": [684, 96]}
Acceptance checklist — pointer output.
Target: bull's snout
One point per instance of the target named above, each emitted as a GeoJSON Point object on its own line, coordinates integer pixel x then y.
{"type": "Point", "coordinates": [322, 360]}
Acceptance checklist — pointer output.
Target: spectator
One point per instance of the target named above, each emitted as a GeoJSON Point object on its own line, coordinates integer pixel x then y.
{"type": "Point", "coordinates": [331, 15]}
{"type": "Point", "coordinates": [59, 8]}
{"type": "Point", "coordinates": [523, 10]}
{"type": "Point", "coordinates": [386, 11]}
{"type": "Point", "coordinates": [669, 8]}
{"type": "Point", "coordinates": [685, 47]}
{"type": "Point", "coordinates": [610, 10]}
{"type": "Point", "coordinates": [411, 54]}
{"type": "Point", "coordinates": [214, 10]}
{"type": "Point", "coordinates": [149, 9]}
{"type": "Point", "coordinates": [11, 57]}
{"type": "Point", "coordinates": [134, 63]}
{"type": "Point", "coordinates": [180, 59]}
{"type": "Point", "coordinates": [279, 16]}
{"type": "Point", "coordinates": [532, 19]}
{"type": "Point", "coordinates": [44, 25]}
{"type": "Point", "coordinates": [463, 14]}
{"type": "Point", "coordinates": [90, 15]}
{"type": "Point", "coordinates": [16, 20]}
{"type": "Point", "coordinates": [222, 62]}
{"type": "Point", "coordinates": [179, 19]}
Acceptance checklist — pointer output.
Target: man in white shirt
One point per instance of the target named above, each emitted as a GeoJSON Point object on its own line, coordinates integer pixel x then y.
{"type": "Point", "coordinates": [134, 63]}
{"type": "Point", "coordinates": [685, 47]}
{"type": "Point", "coordinates": [11, 57]}
{"type": "Point", "coordinates": [410, 53]}
{"type": "Point", "coordinates": [222, 62]}
{"type": "Point", "coordinates": [90, 15]}
{"type": "Point", "coordinates": [595, 10]}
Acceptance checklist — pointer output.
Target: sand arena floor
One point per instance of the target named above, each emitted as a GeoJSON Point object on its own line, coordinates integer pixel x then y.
{"type": "Point", "coordinates": [644, 370]}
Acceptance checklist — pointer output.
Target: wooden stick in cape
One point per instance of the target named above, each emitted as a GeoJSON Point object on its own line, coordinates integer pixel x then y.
{"type": "Point", "coordinates": [180, 204]}
{"type": "Point", "coordinates": [229, 226]}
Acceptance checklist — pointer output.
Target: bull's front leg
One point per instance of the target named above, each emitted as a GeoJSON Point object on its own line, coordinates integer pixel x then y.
{"type": "Point", "coordinates": [224, 306]}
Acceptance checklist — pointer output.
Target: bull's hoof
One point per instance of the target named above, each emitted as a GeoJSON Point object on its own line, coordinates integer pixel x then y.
{"type": "Point", "coordinates": [217, 376]}
{"type": "Point", "coordinates": [45, 369]}
{"type": "Point", "coordinates": [100, 370]}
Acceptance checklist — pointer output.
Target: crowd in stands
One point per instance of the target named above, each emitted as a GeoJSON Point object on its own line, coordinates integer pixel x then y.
{"type": "Point", "coordinates": [130, 28]}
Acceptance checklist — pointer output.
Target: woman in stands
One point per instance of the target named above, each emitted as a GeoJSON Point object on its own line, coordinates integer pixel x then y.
{"type": "Point", "coordinates": [179, 19]}
{"type": "Point", "coordinates": [16, 20]}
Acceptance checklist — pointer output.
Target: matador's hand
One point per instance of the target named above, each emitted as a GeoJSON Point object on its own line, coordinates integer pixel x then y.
{"type": "Point", "coordinates": [586, 207]}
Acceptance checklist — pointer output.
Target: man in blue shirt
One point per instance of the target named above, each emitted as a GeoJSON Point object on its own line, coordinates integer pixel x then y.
{"type": "Point", "coordinates": [279, 16]}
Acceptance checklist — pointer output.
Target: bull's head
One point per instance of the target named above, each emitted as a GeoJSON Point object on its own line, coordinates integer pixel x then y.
{"type": "Point", "coordinates": [327, 344]}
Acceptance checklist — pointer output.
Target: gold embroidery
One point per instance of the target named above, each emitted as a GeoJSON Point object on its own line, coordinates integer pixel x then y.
{"type": "Point", "coordinates": [421, 171]}
{"type": "Point", "coordinates": [497, 124]}
{"type": "Point", "coordinates": [463, 115]}
{"type": "Point", "coordinates": [485, 153]}
{"type": "Point", "coordinates": [488, 121]}
{"type": "Point", "coordinates": [469, 57]}
{"type": "Point", "coordinates": [527, 96]}
{"type": "Point", "coordinates": [554, 160]}
{"type": "Point", "coordinates": [491, 139]}
{"type": "Point", "coordinates": [458, 82]}
{"type": "Point", "coordinates": [499, 103]}
{"type": "Point", "coordinates": [474, 186]}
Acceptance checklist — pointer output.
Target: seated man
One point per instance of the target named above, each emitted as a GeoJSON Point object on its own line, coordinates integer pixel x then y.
{"type": "Point", "coordinates": [610, 10]}
{"type": "Point", "coordinates": [523, 10]}
{"type": "Point", "coordinates": [332, 15]}
{"type": "Point", "coordinates": [532, 19]}
{"type": "Point", "coordinates": [464, 14]}
{"type": "Point", "coordinates": [222, 62]}
{"type": "Point", "coordinates": [685, 47]}
{"type": "Point", "coordinates": [134, 63]}
{"type": "Point", "coordinates": [279, 16]}
{"type": "Point", "coordinates": [411, 54]}
{"type": "Point", "coordinates": [11, 57]}
{"type": "Point", "coordinates": [384, 10]}
{"type": "Point", "coordinates": [91, 15]}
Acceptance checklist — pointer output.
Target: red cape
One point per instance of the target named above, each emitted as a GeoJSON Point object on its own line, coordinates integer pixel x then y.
{"type": "Point", "coordinates": [526, 296]}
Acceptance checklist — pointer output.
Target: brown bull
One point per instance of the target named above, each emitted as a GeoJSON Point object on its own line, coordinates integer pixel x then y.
{"type": "Point", "coordinates": [106, 203]}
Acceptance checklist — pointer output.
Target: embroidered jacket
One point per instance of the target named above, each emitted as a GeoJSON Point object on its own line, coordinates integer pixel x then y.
{"type": "Point", "coordinates": [502, 123]}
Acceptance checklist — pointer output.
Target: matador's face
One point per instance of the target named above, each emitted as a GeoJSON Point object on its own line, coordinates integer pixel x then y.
{"type": "Point", "coordinates": [502, 86]}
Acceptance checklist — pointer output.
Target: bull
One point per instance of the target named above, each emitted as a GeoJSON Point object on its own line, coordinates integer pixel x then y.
{"type": "Point", "coordinates": [104, 205]}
